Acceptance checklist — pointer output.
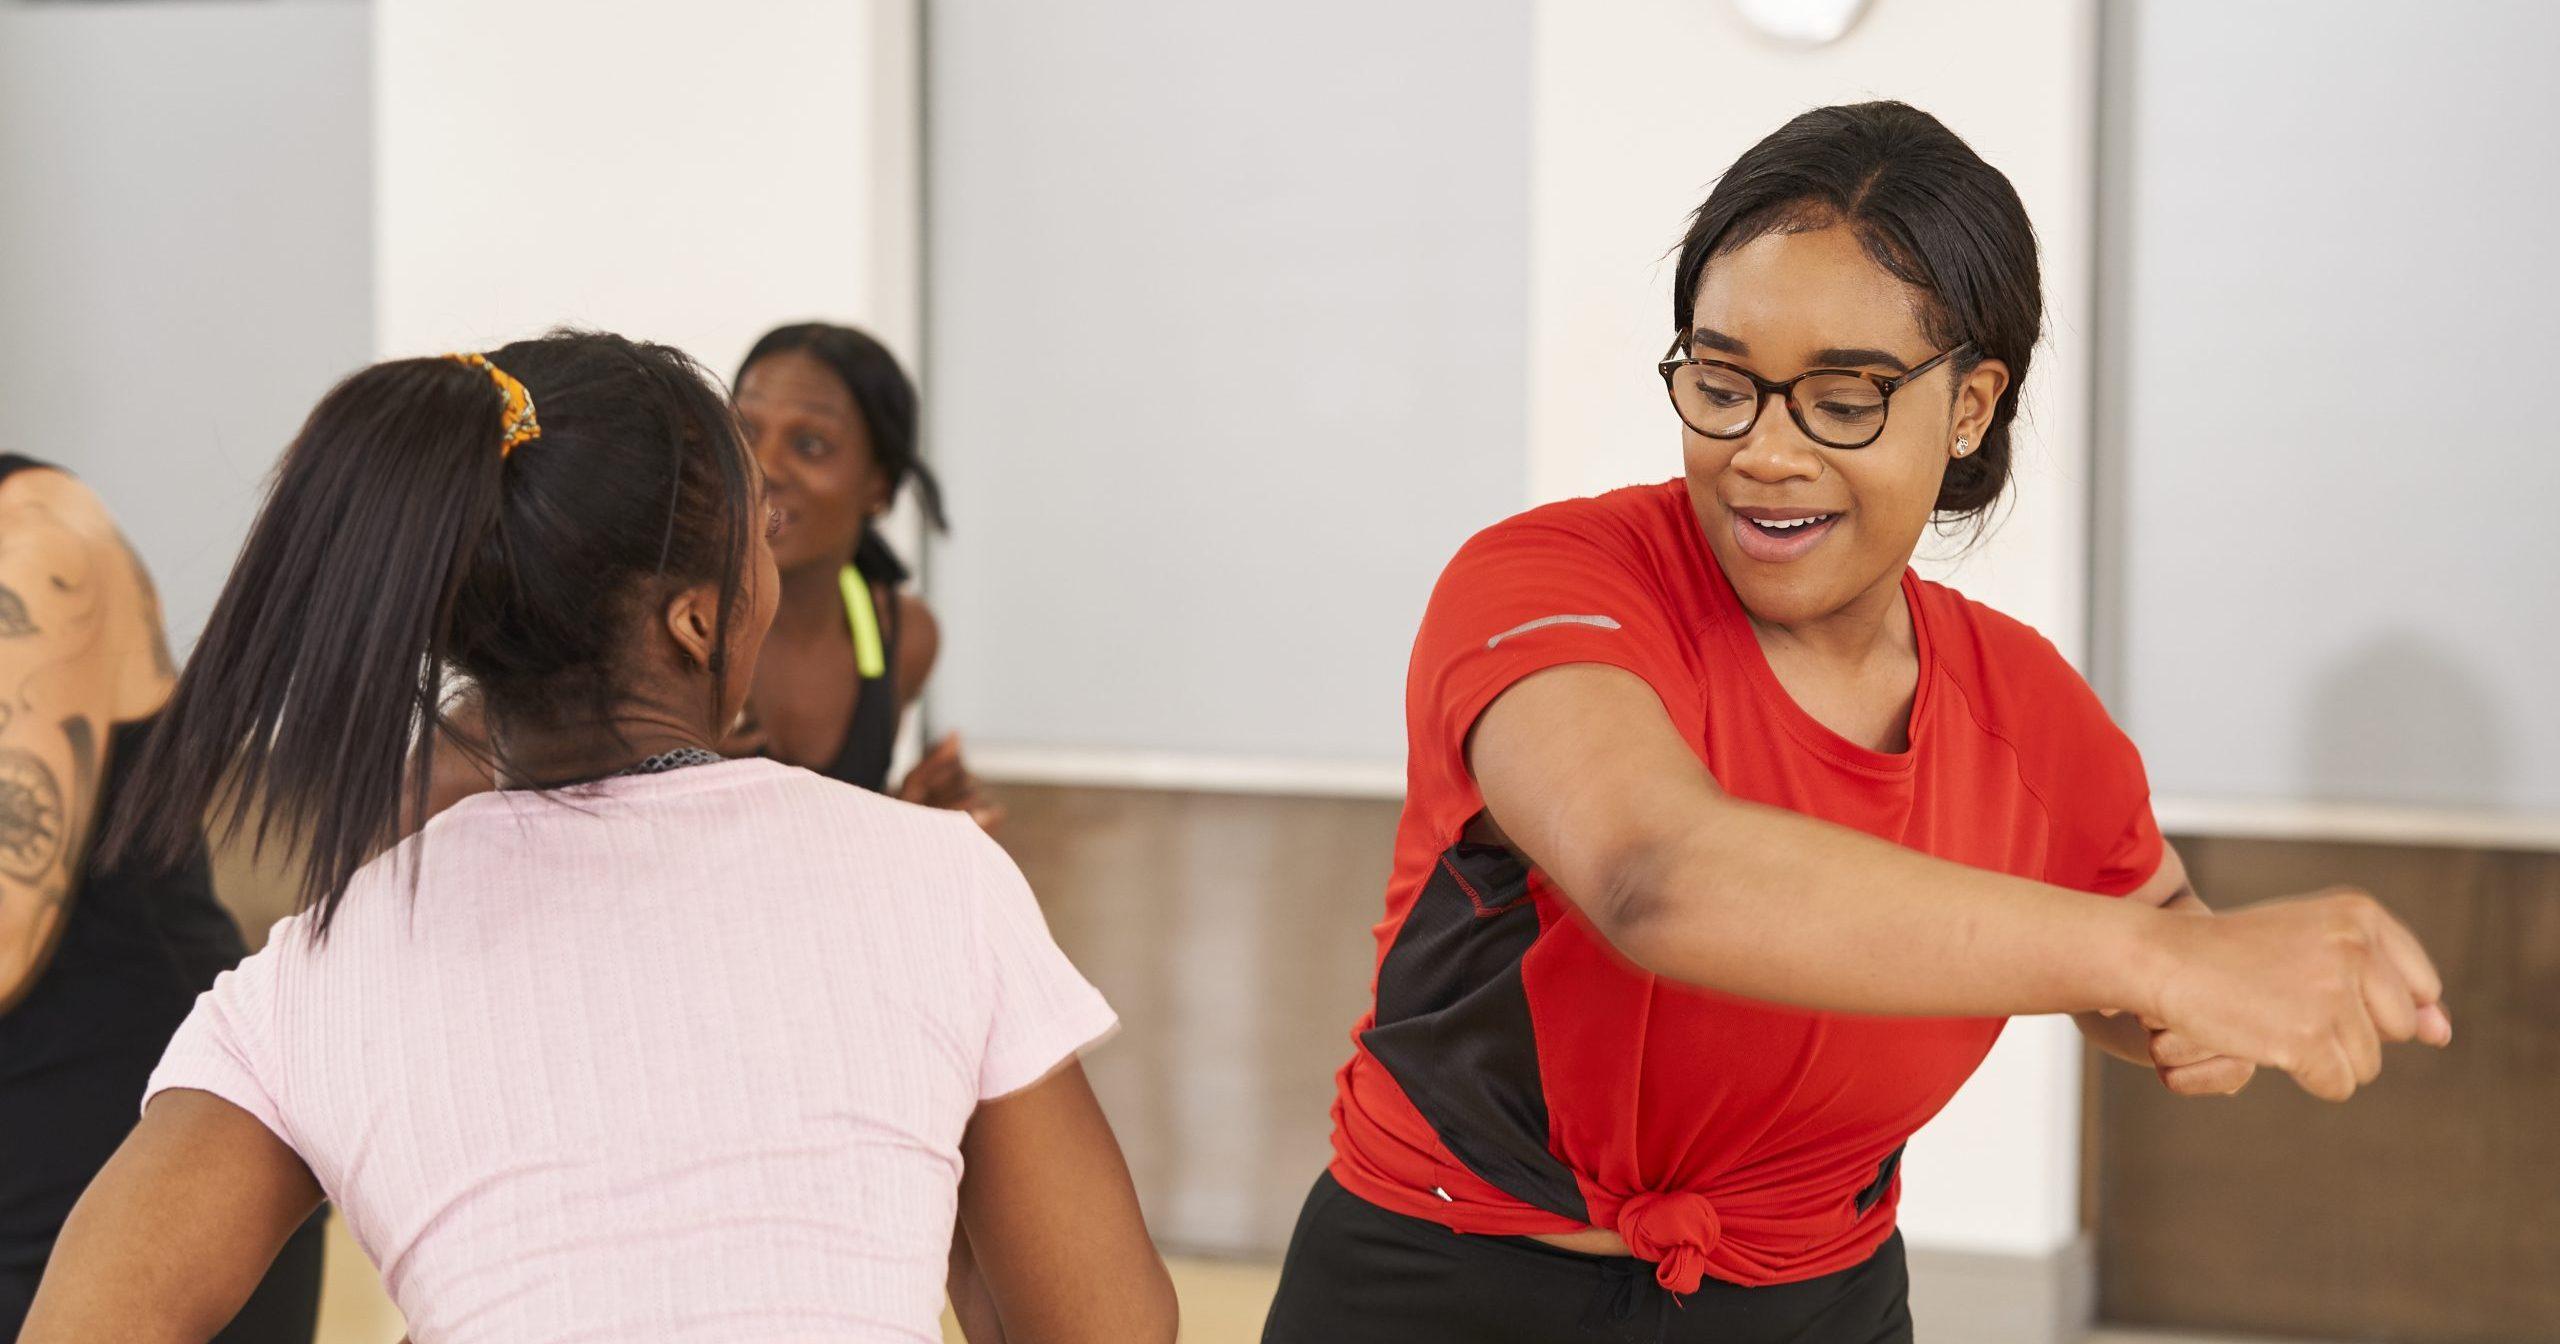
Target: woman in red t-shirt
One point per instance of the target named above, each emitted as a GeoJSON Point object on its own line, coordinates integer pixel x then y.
{"type": "Point", "coordinates": [1729, 844]}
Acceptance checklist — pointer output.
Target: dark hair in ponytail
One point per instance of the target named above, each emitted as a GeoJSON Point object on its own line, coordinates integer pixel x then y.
{"type": "Point", "coordinates": [1929, 211]}
{"type": "Point", "coordinates": [882, 392]}
{"type": "Point", "coordinates": [397, 543]}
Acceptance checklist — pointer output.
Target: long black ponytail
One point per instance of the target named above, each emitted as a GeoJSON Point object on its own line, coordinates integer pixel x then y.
{"type": "Point", "coordinates": [399, 546]}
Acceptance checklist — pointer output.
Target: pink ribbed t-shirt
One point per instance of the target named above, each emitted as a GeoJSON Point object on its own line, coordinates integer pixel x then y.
{"type": "Point", "coordinates": [678, 1057]}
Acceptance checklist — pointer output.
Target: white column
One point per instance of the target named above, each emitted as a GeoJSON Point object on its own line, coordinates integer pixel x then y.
{"type": "Point", "coordinates": [1638, 104]}
{"type": "Point", "coordinates": [670, 170]}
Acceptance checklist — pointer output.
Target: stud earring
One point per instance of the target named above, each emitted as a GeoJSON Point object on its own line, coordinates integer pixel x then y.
{"type": "Point", "coordinates": [1962, 447]}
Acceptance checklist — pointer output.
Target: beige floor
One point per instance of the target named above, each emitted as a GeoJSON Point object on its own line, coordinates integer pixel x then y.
{"type": "Point", "coordinates": [1222, 1303]}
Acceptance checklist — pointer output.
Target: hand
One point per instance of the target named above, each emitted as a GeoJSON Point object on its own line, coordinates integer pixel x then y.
{"type": "Point", "coordinates": [2184, 1067]}
{"type": "Point", "coordinates": [2190, 1070]}
{"type": "Point", "coordinates": [940, 779]}
{"type": "Point", "coordinates": [2311, 985]}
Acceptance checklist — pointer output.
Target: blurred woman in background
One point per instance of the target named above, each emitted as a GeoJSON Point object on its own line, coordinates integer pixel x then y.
{"type": "Point", "coordinates": [833, 420]}
{"type": "Point", "coordinates": [99, 961]}
{"type": "Point", "coordinates": [644, 1044]}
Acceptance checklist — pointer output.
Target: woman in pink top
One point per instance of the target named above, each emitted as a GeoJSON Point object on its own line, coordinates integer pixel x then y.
{"type": "Point", "coordinates": [646, 1045]}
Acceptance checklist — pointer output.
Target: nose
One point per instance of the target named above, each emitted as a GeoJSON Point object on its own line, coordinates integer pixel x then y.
{"type": "Point", "coordinates": [768, 445]}
{"type": "Point", "coordinates": [1777, 448]}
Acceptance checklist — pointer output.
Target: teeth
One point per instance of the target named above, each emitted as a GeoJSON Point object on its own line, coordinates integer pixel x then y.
{"type": "Point", "coordinates": [1784, 524]}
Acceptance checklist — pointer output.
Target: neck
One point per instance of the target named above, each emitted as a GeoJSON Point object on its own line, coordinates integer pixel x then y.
{"type": "Point", "coordinates": [549, 755]}
{"type": "Point", "coordinates": [810, 602]}
{"type": "Point", "coordinates": [1876, 622]}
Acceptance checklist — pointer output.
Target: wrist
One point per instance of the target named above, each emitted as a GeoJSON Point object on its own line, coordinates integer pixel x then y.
{"type": "Point", "coordinates": [2120, 1036]}
{"type": "Point", "coordinates": [2147, 956]}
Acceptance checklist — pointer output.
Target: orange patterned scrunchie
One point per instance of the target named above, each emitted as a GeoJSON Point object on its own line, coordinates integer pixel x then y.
{"type": "Point", "coordinates": [521, 427]}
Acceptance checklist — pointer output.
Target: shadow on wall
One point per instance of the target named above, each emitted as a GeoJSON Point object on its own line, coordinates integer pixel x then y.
{"type": "Point", "coordinates": [2399, 721]}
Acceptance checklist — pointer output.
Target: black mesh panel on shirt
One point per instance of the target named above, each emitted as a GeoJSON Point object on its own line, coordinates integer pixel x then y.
{"type": "Point", "coordinates": [1453, 1025]}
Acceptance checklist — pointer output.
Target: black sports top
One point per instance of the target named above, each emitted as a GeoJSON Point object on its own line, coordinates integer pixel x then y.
{"type": "Point", "coordinates": [863, 759]}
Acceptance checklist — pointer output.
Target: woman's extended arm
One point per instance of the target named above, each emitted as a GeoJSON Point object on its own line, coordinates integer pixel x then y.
{"type": "Point", "coordinates": [1582, 771]}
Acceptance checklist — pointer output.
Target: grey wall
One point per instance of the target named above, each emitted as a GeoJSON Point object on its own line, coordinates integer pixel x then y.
{"type": "Point", "coordinates": [185, 254]}
{"type": "Point", "coordinates": [1226, 314]}
{"type": "Point", "coordinates": [2328, 408]}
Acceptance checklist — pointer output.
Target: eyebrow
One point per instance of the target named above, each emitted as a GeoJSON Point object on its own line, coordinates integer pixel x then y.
{"type": "Point", "coordinates": [1850, 357]}
{"type": "Point", "coordinates": [1836, 357]}
{"type": "Point", "coordinates": [810, 409]}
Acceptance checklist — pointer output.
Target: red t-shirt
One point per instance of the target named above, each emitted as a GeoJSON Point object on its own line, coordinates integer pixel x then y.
{"type": "Point", "coordinates": [1514, 1076]}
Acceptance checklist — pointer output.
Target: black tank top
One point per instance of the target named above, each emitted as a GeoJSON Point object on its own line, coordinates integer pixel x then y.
{"type": "Point", "coordinates": [863, 760]}
{"type": "Point", "coordinates": [135, 949]}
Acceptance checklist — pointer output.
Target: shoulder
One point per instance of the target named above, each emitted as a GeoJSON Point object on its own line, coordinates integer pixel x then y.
{"type": "Point", "coordinates": [74, 593]}
{"type": "Point", "coordinates": [1626, 521]}
{"type": "Point", "coordinates": [916, 616]}
{"type": "Point", "coordinates": [938, 862]}
{"type": "Point", "coordinates": [249, 988]}
{"type": "Point", "coordinates": [919, 642]}
{"type": "Point", "coordinates": [2013, 678]}
{"type": "Point", "coordinates": [72, 600]}
{"type": "Point", "coordinates": [47, 516]}
{"type": "Point", "coordinates": [1616, 579]}
{"type": "Point", "coordinates": [831, 815]}
{"type": "Point", "coordinates": [1981, 643]}
{"type": "Point", "coordinates": [49, 484]}
{"type": "Point", "coordinates": [1635, 540]}
{"type": "Point", "coordinates": [2016, 686]}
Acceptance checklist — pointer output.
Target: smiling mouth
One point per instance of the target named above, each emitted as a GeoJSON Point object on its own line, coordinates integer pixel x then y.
{"type": "Point", "coordinates": [1790, 527]}
{"type": "Point", "coordinates": [1764, 536]}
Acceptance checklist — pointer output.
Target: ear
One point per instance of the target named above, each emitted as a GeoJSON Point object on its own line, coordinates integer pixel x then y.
{"type": "Point", "coordinates": [1977, 396]}
{"type": "Point", "coordinates": [693, 619]}
{"type": "Point", "coordinates": [876, 493]}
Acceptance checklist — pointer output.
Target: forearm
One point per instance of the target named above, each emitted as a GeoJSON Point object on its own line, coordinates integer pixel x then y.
{"type": "Point", "coordinates": [1773, 905]}
{"type": "Point", "coordinates": [973, 1305]}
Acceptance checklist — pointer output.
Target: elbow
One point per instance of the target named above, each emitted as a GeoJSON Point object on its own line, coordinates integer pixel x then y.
{"type": "Point", "coordinates": [1156, 1317]}
{"type": "Point", "coordinates": [1140, 1309]}
{"type": "Point", "coordinates": [1659, 878]}
{"type": "Point", "coordinates": [1631, 901]}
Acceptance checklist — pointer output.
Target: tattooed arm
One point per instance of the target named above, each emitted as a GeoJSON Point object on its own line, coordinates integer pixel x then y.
{"type": "Point", "coordinates": [78, 652]}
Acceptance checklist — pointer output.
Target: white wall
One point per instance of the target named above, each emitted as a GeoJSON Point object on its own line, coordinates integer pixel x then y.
{"type": "Point", "coordinates": [1639, 103]}
{"type": "Point", "coordinates": [1227, 311]}
{"type": "Point", "coordinates": [681, 172]}
{"type": "Point", "coordinates": [2334, 379]}
{"type": "Point", "coordinates": [185, 255]}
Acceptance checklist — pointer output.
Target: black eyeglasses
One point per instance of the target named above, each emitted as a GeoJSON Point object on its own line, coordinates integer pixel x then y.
{"type": "Point", "coordinates": [1837, 408]}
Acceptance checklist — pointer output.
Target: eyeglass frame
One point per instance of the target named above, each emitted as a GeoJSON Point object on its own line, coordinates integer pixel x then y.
{"type": "Point", "coordinates": [1884, 384]}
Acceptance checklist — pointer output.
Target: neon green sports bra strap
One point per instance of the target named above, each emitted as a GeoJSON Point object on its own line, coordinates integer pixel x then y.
{"type": "Point", "coordinates": [865, 622]}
